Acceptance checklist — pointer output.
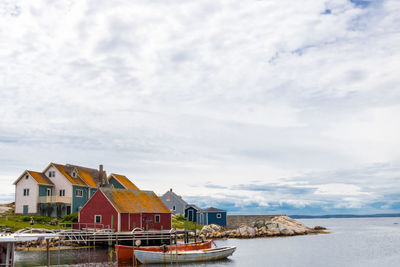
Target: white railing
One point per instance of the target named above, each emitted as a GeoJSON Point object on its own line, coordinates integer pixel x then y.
{"type": "Point", "coordinates": [55, 199]}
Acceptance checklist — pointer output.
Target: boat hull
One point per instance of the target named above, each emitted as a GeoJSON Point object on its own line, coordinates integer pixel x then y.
{"type": "Point", "coordinates": [146, 257]}
{"type": "Point", "coordinates": [126, 253]}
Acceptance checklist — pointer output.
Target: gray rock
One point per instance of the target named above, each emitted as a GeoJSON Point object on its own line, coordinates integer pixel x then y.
{"type": "Point", "coordinates": [206, 230]}
{"type": "Point", "coordinates": [216, 227]}
{"type": "Point", "coordinates": [271, 225]}
{"type": "Point", "coordinates": [246, 231]}
{"type": "Point", "coordinates": [318, 228]}
{"type": "Point", "coordinates": [259, 224]}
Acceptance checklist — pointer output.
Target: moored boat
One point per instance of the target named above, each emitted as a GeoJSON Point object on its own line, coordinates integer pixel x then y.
{"type": "Point", "coordinates": [211, 254]}
{"type": "Point", "coordinates": [125, 253]}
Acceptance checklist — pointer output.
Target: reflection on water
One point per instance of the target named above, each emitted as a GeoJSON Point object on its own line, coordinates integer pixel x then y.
{"type": "Point", "coordinates": [363, 242]}
{"type": "Point", "coordinates": [86, 257]}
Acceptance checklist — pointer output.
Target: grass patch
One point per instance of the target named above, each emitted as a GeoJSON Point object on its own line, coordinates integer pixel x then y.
{"type": "Point", "coordinates": [179, 222]}
{"type": "Point", "coordinates": [19, 221]}
{"type": "Point", "coordinates": [16, 222]}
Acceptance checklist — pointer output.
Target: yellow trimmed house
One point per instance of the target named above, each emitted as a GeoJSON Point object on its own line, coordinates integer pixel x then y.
{"type": "Point", "coordinates": [57, 190]}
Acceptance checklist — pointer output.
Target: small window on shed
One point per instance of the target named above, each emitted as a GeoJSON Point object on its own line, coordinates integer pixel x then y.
{"type": "Point", "coordinates": [157, 218]}
{"type": "Point", "coordinates": [97, 218]}
{"type": "Point", "coordinates": [219, 216]}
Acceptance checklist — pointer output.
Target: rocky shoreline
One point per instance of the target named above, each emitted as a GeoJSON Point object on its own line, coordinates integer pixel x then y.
{"type": "Point", "coordinates": [277, 226]}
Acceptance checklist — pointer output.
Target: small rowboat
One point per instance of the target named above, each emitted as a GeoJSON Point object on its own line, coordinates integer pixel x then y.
{"type": "Point", "coordinates": [184, 256]}
{"type": "Point", "coordinates": [125, 253]}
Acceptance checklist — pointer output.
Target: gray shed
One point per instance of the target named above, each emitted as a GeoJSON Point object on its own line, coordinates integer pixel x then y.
{"type": "Point", "coordinates": [174, 202]}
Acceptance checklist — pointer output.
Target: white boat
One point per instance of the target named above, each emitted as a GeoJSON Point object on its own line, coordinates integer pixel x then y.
{"type": "Point", "coordinates": [184, 256]}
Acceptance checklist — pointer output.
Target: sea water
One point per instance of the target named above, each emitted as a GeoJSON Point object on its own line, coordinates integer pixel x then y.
{"type": "Point", "coordinates": [352, 242]}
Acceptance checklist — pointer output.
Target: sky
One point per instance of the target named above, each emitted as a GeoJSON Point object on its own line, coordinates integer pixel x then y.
{"type": "Point", "coordinates": [256, 107]}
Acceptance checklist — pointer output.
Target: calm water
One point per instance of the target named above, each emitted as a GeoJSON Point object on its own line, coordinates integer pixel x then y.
{"type": "Point", "coordinates": [354, 242]}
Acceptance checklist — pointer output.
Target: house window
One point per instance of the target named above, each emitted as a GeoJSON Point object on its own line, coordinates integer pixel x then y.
{"type": "Point", "coordinates": [157, 218]}
{"type": "Point", "coordinates": [168, 198]}
{"type": "Point", "coordinates": [52, 174]}
{"type": "Point", "coordinates": [174, 208]}
{"type": "Point", "coordinates": [62, 192]}
{"type": "Point", "coordinates": [79, 192]}
{"type": "Point", "coordinates": [26, 192]}
{"type": "Point", "coordinates": [74, 174]}
{"type": "Point", "coordinates": [97, 218]}
{"type": "Point", "coordinates": [26, 176]}
{"type": "Point", "coordinates": [219, 216]}
{"type": "Point", "coordinates": [48, 192]}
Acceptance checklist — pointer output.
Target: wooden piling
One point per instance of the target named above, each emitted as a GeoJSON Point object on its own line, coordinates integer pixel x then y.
{"type": "Point", "coordinates": [48, 252]}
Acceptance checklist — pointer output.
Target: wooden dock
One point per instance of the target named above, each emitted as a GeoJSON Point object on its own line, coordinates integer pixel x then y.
{"type": "Point", "coordinates": [100, 235]}
{"type": "Point", "coordinates": [107, 237]}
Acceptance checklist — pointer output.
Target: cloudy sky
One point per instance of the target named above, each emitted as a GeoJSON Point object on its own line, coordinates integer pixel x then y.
{"type": "Point", "coordinates": [252, 106]}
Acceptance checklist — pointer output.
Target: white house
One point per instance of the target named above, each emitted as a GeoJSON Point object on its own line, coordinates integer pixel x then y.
{"type": "Point", "coordinates": [58, 190]}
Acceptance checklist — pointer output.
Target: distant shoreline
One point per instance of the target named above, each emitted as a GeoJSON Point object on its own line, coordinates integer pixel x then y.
{"type": "Point", "coordinates": [388, 215]}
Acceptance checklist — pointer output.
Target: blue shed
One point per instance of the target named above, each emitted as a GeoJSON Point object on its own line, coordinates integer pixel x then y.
{"type": "Point", "coordinates": [212, 216]}
{"type": "Point", "coordinates": [192, 212]}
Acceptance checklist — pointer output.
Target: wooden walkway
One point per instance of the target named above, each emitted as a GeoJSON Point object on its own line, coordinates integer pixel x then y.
{"type": "Point", "coordinates": [91, 237]}
{"type": "Point", "coordinates": [100, 235]}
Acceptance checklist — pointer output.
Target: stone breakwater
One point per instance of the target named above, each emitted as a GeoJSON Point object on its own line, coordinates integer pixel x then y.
{"type": "Point", "coordinates": [276, 226]}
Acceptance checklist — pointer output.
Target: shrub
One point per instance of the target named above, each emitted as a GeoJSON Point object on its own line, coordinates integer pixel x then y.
{"type": "Point", "coordinates": [70, 217]}
{"type": "Point", "coordinates": [26, 219]}
{"type": "Point", "coordinates": [37, 219]}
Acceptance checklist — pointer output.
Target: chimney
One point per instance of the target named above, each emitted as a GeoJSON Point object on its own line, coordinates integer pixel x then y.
{"type": "Point", "coordinates": [101, 174]}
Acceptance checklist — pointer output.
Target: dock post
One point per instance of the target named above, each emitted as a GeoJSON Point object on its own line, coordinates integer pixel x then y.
{"type": "Point", "coordinates": [48, 252]}
{"type": "Point", "coordinates": [162, 240]}
{"type": "Point", "coordinates": [195, 231]}
{"type": "Point", "coordinates": [186, 234]}
{"type": "Point", "coordinates": [147, 234]}
{"type": "Point", "coordinates": [112, 225]}
{"type": "Point", "coordinates": [8, 254]}
{"type": "Point", "coordinates": [59, 252]}
{"type": "Point", "coordinates": [175, 235]}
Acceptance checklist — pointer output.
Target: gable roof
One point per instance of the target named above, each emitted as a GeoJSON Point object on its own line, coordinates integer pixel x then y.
{"type": "Point", "coordinates": [134, 201]}
{"type": "Point", "coordinates": [39, 177]}
{"type": "Point", "coordinates": [85, 176]}
{"type": "Point", "coordinates": [88, 175]}
{"type": "Point", "coordinates": [65, 169]}
{"type": "Point", "coordinates": [193, 206]}
{"type": "Point", "coordinates": [212, 209]}
{"type": "Point", "coordinates": [124, 181]}
{"type": "Point", "coordinates": [175, 195]}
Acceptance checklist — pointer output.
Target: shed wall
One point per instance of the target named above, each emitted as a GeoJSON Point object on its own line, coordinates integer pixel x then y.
{"type": "Point", "coordinates": [170, 200]}
{"type": "Point", "coordinates": [99, 205]}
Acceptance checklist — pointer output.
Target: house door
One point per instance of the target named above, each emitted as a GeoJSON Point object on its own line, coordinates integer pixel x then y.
{"type": "Point", "coordinates": [191, 215]}
{"type": "Point", "coordinates": [147, 222]}
{"type": "Point", "coordinates": [25, 211]}
{"type": "Point", "coordinates": [68, 209]}
{"type": "Point", "coordinates": [48, 192]}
